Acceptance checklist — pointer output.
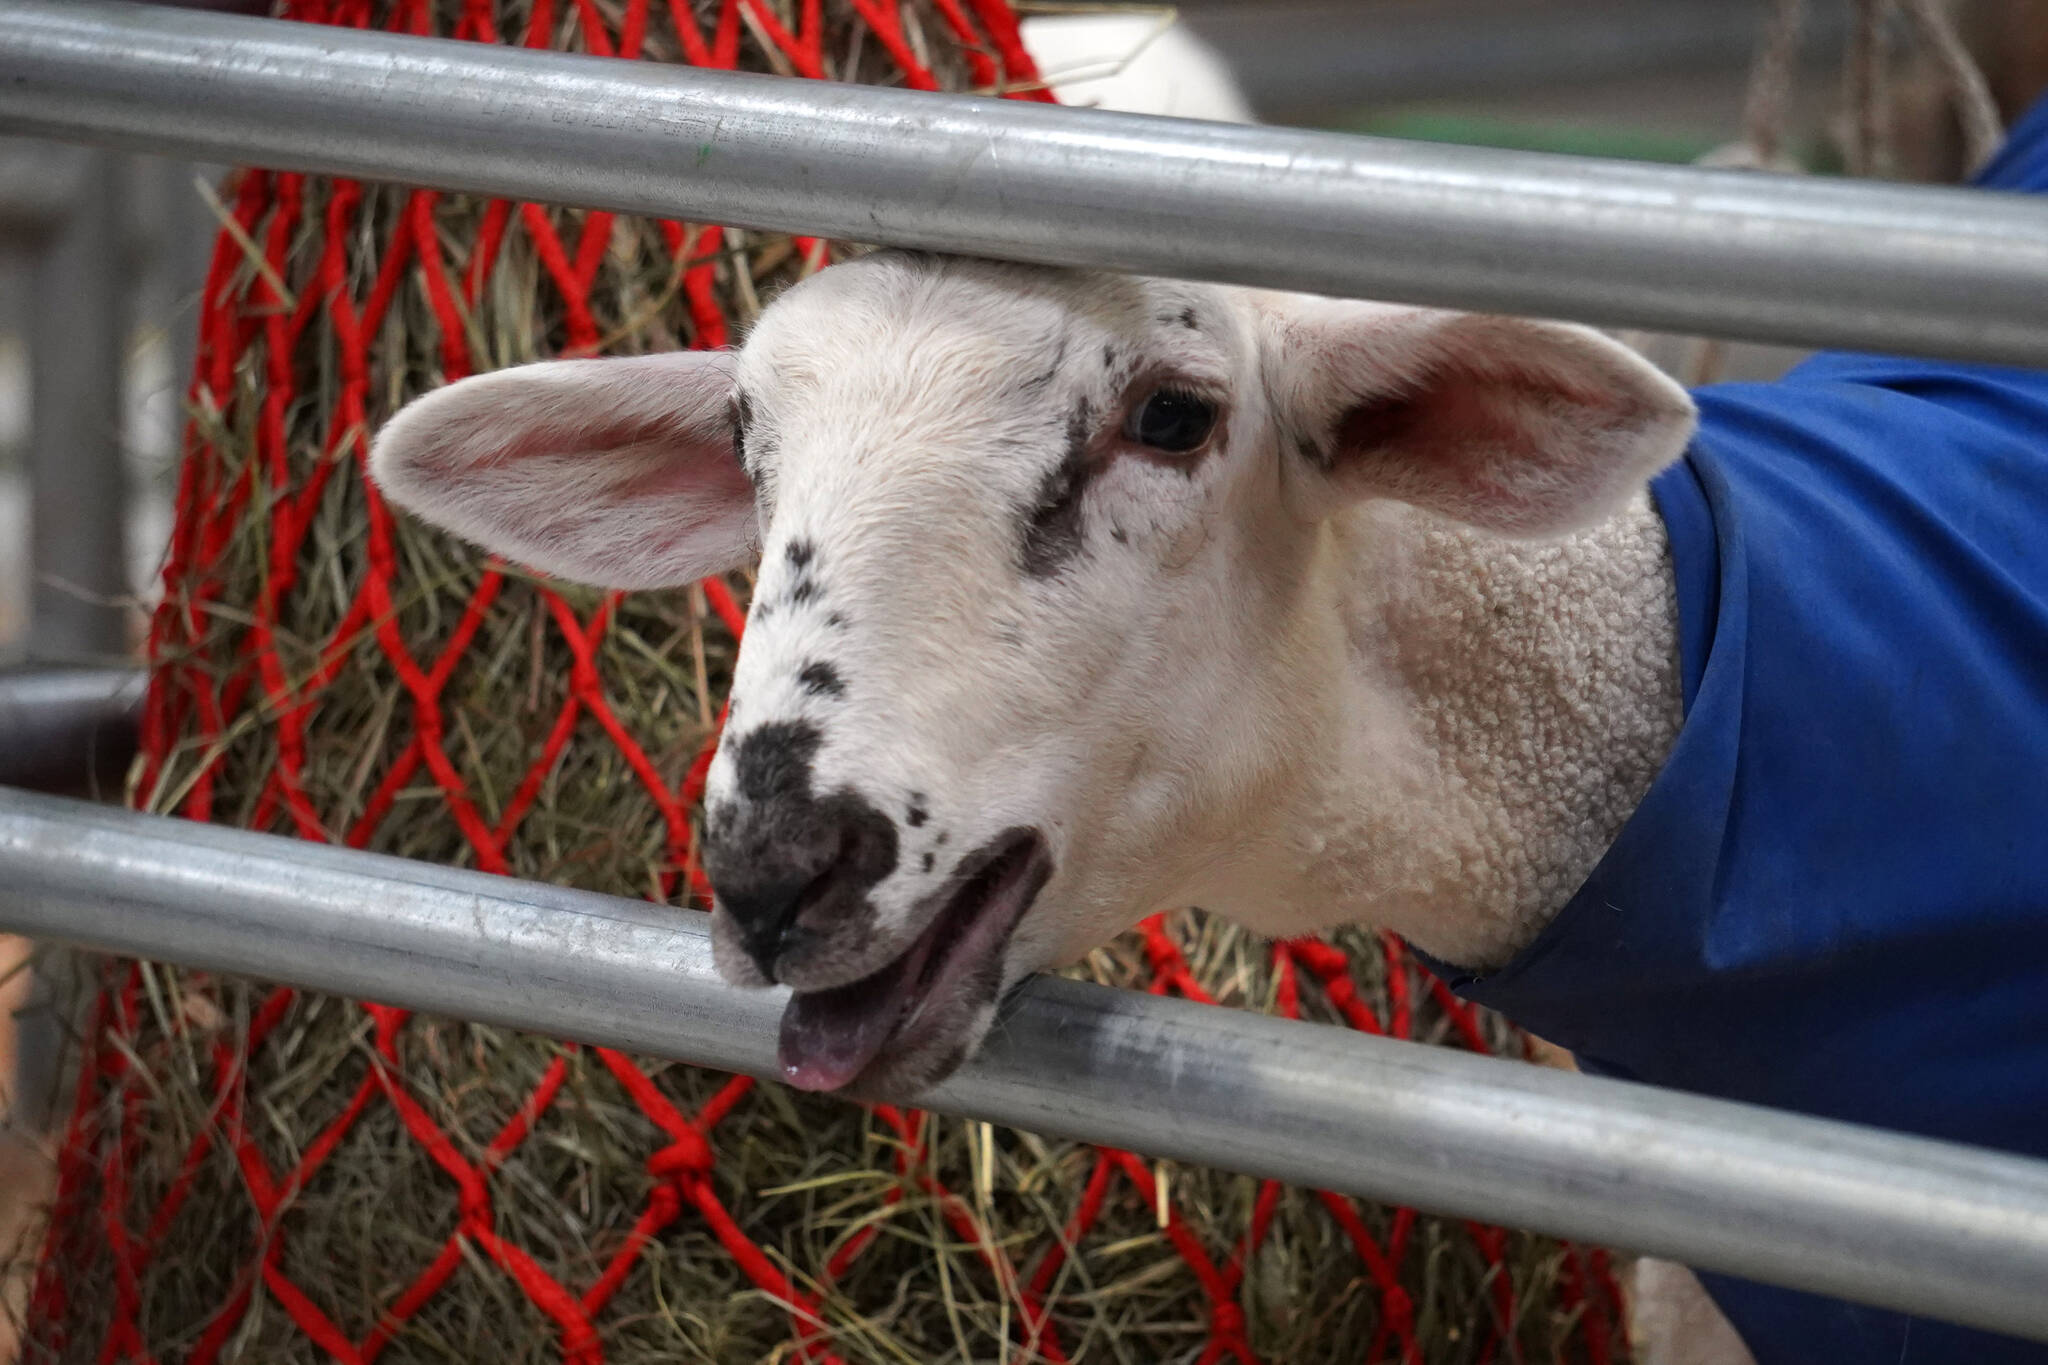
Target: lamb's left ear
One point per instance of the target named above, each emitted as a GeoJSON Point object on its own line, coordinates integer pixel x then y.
{"type": "Point", "coordinates": [1518, 427]}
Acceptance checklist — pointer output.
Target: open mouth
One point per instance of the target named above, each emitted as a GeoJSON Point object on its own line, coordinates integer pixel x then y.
{"type": "Point", "coordinates": [830, 1037]}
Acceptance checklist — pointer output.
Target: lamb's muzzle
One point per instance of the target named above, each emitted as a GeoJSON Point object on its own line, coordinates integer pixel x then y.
{"type": "Point", "coordinates": [793, 869]}
{"type": "Point", "coordinates": [875, 1035]}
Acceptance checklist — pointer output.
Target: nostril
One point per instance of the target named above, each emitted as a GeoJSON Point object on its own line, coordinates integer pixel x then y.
{"type": "Point", "coordinates": [791, 868]}
{"type": "Point", "coordinates": [780, 876]}
{"type": "Point", "coordinates": [766, 908]}
{"type": "Point", "coordinates": [765, 953]}
{"type": "Point", "coordinates": [841, 879]}
{"type": "Point", "coordinates": [778, 937]}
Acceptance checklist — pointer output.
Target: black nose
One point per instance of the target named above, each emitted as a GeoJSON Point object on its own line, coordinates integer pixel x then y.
{"type": "Point", "coordinates": [785, 861]}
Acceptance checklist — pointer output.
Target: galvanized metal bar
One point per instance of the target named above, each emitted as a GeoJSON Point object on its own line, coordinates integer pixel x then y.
{"type": "Point", "coordinates": [67, 729]}
{"type": "Point", "coordinates": [1721, 253]}
{"type": "Point", "coordinates": [1929, 1227]}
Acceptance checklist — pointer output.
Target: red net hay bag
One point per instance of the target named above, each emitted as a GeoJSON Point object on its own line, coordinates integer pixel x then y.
{"type": "Point", "coordinates": [264, 1175]}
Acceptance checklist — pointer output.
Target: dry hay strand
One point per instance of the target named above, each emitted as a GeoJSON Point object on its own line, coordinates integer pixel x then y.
{"type": "Point", "coordinates": [247, 1161]}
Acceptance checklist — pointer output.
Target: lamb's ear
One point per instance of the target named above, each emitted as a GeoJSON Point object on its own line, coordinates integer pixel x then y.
{"type": "Point", "coordinates": [1517, 427]}
{"type": "Point", "coordinates": [618, 473]}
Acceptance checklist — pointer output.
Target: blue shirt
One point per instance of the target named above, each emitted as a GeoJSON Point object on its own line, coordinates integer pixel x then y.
{"type": "Point", "coordinates": [1834, 898]}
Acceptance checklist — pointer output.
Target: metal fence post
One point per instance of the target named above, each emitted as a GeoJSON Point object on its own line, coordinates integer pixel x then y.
{"type": "Point", "coordinates": [76, 480]}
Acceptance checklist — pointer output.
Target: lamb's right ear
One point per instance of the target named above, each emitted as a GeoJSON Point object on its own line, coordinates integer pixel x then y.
{"type": "Point", "coordinates": [617, 473]}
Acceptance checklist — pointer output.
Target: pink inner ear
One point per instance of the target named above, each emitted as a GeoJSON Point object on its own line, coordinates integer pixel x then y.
{"type": "Point", "coordinates": [623, 433]}
{"type": "Point", "coordinates": [654, 459]}
{"type": "Point", "coordinates": [1485, 443]}
{"type": "Point", "coordinates": [688, 471]}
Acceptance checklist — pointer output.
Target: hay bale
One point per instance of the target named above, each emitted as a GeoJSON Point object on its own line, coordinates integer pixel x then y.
{"type": "Point", "coordinates": [264, 1175]}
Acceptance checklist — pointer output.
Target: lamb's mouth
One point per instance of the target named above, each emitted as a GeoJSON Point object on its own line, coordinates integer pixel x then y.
{"type": "Point", "coordinates": [830, 1037]}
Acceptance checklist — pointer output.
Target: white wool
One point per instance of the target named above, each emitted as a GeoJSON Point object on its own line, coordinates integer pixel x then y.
{"type": "Point", "coordinates": [1492, 714]}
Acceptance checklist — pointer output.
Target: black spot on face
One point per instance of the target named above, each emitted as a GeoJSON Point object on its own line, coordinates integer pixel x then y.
{"type": "Point", "coordinates": [783, 857]}
{"type": "Point", "coordinates": [821, 679]}
{"type": "Point", "coordinates": [1189, 321]}
{"type": "Point", "coordinates": [928, 860]}
{"type": "Point", "coordinates": [1053, 531]}
{"type": "Point", "coordinates": [1109, 357]}
{"type": "Point", "coordinates": [943, 836]}
{"type": "Point", "coordinates": [835, 620]}
{"type": "Point", "coordinates": [802, 555]}
{"type": "Point", "coordinates": [773, 763]}
{"type": "Point", "coordinates": [917, 814]}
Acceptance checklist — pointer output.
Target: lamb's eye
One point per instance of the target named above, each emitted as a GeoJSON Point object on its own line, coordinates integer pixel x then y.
{"type": "Point", "coordinates": [1171, 420]}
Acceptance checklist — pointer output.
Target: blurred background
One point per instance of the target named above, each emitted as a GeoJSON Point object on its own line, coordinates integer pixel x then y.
{"type": "Point", "coordinates": [1654, 80]}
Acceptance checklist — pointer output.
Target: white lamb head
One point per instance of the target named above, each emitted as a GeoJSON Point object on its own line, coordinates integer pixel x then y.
{"type": "Point", "coordinates": [1040, 550]}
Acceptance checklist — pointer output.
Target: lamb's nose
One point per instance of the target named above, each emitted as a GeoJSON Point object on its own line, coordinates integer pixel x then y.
{"type": "Point", "coordinates": [791, 866]}
{"type": "Point", "coordinates": [785, 861]}
{"type": "Point", "coordinates": [773, 867]}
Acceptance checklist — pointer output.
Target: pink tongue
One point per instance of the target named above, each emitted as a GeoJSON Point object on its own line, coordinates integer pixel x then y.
{"type": "Point", "coordinates": [829, 1037]}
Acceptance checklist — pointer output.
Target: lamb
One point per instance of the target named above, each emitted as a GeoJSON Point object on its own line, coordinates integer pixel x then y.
{"type": "Point", "coordinates": [1083, 596]}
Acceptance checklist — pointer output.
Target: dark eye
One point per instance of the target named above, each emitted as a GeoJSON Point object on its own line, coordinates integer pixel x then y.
{"type": "Point", "coordinates": [1171, 420]}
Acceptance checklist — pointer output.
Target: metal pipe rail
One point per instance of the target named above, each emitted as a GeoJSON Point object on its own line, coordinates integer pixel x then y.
{"type": "Point", "coordinates": [67, 729]}
{"type": "Point", "coordinates": [1928, 1227]}
{"type": "Point", "coordinates": [1801, 261]}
